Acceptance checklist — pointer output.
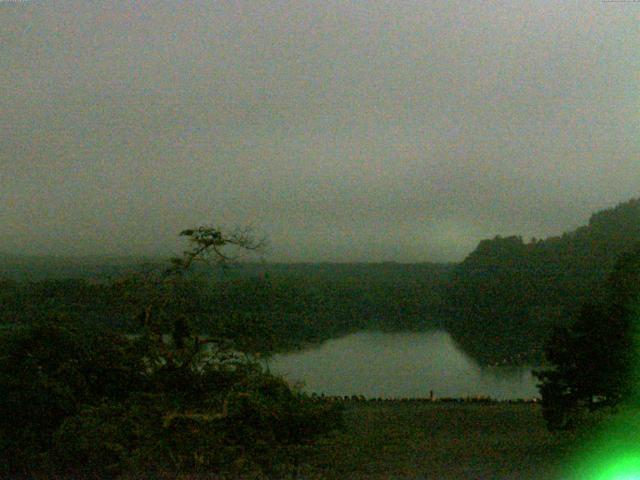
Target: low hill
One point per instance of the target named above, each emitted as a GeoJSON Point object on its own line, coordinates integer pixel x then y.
{"type": "Point", "coordinates": [507, 295]}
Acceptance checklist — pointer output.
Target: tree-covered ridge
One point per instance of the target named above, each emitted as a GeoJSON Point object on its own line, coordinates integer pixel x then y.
{"type": "Point", "coordinates": [508, 294]}
{"type": "Point", "coordinates": [264, 307]}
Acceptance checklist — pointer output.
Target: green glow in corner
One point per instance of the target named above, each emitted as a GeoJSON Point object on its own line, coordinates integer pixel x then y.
{"type": "Point", "coordinates": [621, 468]}
{"type": "Point", "coordinates": [614, 450]}
{"type": "Point", "coordinates": [614, 453]}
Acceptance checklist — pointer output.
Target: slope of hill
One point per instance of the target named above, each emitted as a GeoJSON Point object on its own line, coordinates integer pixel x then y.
{"type": "Point", "coordinates": [507, 295]}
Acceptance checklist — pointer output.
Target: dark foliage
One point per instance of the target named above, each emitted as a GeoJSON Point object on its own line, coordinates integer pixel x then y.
{"type": "Point", "coordinates": [595, 359]}
{"type": "Point", "coordinates": [262, 308]}
{"type": "Point", "coordinates": [81, 401]}
{"type": "Point", "coordinates": [48, 371]}
{"type": "Point", "coordinates": [508, 295]}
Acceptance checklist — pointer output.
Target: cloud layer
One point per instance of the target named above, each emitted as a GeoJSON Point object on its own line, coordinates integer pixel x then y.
{"type": "Point", "coordinates": [389, 130]}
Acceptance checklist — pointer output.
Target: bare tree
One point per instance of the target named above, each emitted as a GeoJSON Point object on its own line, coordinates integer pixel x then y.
{"type": "Point", "coordinates": [209, 244]}
{"type": "Point", "coordinates": [212, 243]}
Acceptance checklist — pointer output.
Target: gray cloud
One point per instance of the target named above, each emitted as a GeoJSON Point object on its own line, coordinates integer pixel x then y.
{"type": "Point", "coordinates": [390, 130]}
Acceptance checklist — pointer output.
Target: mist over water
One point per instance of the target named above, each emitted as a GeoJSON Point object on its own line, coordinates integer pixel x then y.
{"type": "Point", "coordinates": [395, 365]}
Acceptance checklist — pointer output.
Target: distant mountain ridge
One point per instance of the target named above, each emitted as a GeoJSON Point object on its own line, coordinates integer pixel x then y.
{"type": "Point", "coordinates": [43, 267]}
{"type": "Point", "coordinates": [36, 268]}
{"type": "Point", "coordinates": [507, 295]}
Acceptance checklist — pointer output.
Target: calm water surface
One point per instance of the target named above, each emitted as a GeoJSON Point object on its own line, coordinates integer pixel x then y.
{"type": "Point", "coordinates": [406, 364]}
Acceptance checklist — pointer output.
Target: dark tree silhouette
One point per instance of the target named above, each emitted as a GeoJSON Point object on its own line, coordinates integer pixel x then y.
{"type": "Point", "coordinates": [506, 297]}
{"type": "Point", "coordinates": [80, 401]}
{"type": "Point", "coordinates": [594, 360]}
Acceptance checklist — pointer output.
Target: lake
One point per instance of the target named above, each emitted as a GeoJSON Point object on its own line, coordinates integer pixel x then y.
{"type": "Point", "coordinates": [397, 365]}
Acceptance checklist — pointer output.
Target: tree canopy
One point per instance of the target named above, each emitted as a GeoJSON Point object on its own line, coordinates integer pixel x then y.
{"type": "Point", "coordinates": [508, 295]}
{"type": "Point", "coordinates": [595, 359]}
{"type": "Point", "coordinates": [82, 401]}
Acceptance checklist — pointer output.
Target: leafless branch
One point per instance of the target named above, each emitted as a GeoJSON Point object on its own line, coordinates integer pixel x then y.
{"type": "Point", "coordinates": [212, 241]}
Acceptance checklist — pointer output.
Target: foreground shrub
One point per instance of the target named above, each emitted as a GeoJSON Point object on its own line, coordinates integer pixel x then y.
{"type": "Point", "coordinates": [93, 404]}
{"type": "Point", "coordinates": [88, 403]}
{"type": "Point", "coordinates": [48, 371]}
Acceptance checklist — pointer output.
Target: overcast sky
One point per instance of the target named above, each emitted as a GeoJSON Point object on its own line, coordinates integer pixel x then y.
{"type": "Point", "coordinates": [345, 131]}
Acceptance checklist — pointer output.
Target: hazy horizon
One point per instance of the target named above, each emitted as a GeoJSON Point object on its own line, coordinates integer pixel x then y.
{"type": "Point", "coordinates": [262, 256]}
{"type": "Point", "coordinates": [344, 132]}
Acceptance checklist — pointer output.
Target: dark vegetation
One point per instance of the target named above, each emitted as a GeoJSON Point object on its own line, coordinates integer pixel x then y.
{"type": "Point", "coordinates": [82, 403]}
{"type": "Point", "coordinates": [508, 295]}
{"type": "Point", "coordinates": [117, 373]}
{"type": "Point", "coordinates": [264, 310]}
{"type": "Point", "coordinates": [595, 360]}
{"type": "Point", "coordinates": [80, 400]}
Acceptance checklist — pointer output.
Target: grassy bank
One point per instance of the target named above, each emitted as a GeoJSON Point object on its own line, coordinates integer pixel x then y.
{"type": "Point", "coordinates": [421, 440]}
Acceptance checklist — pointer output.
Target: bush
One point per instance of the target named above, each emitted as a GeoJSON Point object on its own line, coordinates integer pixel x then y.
{"type": "Point", "coordinates": [48, 371]}
{"type": "Point", "coordinates": [84, 403]}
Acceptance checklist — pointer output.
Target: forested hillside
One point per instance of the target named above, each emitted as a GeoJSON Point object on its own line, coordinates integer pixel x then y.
{"type": "Point", "coordinates": [264, 307]}
{"type": "Point", "coordinates": [500, 304]}
{"type": "Point", "coordinates": [507, 295]}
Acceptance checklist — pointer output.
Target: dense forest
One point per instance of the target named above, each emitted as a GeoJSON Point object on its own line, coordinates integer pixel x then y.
{"type": "Point", "coordinates": [506, 297]}
{"type": "Point", "coordinates": [266, 308]}
{"type": "Point", "coordinates": [500, 304]}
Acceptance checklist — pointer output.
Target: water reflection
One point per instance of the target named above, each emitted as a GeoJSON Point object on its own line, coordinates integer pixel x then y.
{"type": "Point", "coordinates": [407, 364]}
